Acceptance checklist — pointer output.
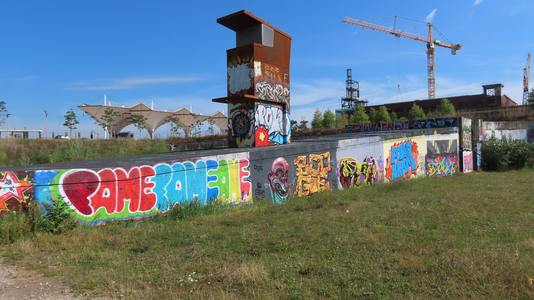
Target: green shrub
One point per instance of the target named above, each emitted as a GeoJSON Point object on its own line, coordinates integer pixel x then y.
{"type": "Point", "coordinates": [56, 217]}
{"type": "Point", "coordinates": [503, 154]}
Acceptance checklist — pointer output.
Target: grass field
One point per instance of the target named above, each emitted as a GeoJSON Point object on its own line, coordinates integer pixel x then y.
{"type": "Point", "coordinates": [466, 236]}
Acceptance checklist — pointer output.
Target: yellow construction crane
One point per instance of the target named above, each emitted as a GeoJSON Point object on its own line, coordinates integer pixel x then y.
{"type": "Point", "coordinates": [430, 43]}
{"type": "Point", "coordinates": [526, 79]}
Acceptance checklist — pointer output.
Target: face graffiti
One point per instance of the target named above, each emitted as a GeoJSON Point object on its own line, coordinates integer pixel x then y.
{"type": "Point", "coordinates": [278, 180]}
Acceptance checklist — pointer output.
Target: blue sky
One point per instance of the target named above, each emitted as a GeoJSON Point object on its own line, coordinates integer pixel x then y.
{"type": "Point", "coordinates": [56, 55]}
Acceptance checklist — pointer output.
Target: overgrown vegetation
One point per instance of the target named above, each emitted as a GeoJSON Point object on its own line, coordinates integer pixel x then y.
{"type": "Point", "coordinates": [53, 217]}
{"type": "Point", "coordinates": [23, 152]}
{"type": "Point", "coordinates": [505, 153]}
{"type": "Point", "coordinates": [466, 236]}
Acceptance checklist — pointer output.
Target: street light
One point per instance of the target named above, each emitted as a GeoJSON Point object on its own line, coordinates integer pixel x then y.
{"type": "Point", "coordinates": [46, 124]}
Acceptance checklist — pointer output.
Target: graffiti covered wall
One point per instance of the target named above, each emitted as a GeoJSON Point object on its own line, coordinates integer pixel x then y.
{"type": "Point", "coordinates": [466, 145]}
{"type": "Point", "coordinates": [300, 169]}
{"type": "Point", "coordinates": [442, 155]}
{"type": "Point", "coordinates": [403, 125]}
{"type": "Point", "coordinates": [240, 71]}
{"type": "Point", "coordinates": [273, 125]}
{"type": "Point", "coordinates": [272, 83]}
{"type": "Point", "coordinates": [360, 162]}
{"type": "Point", "coordinates": [241, 125]}
{"type": "Point", "coordinates": [405, 158]}
{"type": "Point", "coordinates": [96, 195]}
{"type": "Point", "coordinates": [515, 130]}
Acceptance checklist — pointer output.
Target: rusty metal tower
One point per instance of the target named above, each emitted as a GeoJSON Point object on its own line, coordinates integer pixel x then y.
{"type": "Point", "coordinates": [352, 98]}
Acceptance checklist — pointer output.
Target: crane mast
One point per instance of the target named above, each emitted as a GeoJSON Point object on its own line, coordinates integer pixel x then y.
{"type": "Point", "coordinates": [430, 43]}
{"type": "Point", "coordinates": [526, 79]}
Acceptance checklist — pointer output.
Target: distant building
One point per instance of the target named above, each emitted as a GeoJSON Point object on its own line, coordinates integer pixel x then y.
{"type": "Point", "coordinates": [491, 96]}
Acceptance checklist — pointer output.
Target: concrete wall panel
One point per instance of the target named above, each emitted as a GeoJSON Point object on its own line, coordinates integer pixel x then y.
{"type": "Point", "coordinates": [300, 170]}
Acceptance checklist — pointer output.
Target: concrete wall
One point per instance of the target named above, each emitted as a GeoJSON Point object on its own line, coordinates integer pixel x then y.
{"type": "Point", "coordinates": [142, 188]}
{"type": "Point", "coordinates": [517, 130]}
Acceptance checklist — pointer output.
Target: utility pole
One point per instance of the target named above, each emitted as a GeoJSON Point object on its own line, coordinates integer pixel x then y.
{"type": "Point", "coordinates": [46, 124]}
{"type": "Point", "coordinates": [7, 117]}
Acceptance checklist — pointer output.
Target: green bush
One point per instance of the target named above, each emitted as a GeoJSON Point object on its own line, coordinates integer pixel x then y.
{"type": "Point", "coordinates": [503, 154]}
{"type": "Point", "coordinates": [55, 217]}
{"type": "Point", "coordinates": [51, 217]}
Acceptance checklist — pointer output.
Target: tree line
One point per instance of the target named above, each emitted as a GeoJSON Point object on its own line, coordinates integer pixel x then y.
{"type": "Point", "coordinates": [328, 119]}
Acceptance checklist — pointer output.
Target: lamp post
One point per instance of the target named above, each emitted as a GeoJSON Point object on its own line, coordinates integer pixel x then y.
{"type": "Point", "coordinates": [7, 117]}
{"type": "Point", "coordinates": [46, 124]}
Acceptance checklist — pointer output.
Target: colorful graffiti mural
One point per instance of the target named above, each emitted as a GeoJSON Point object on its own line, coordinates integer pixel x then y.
{"type": "Point", "coordinates": [312, 174]}
{"type": "Point", "coordinates": [403, 125]}
{"type": "Point", "coordinates": [16, 190]}
{"type": "Point", "coordinates": [384, 126]}
{"type": "Point", "coordinates": [402, 161]}
{"type": "Point", "coordinates": [95, 195]}
{"type": "Point", "coordinates": [267, 90]}
{"type": "Point", "coordinates": [271, 83]}
{"type": "Point", "coordinates": [119, 193]}
{"type": "Point", "coordinates": [272, 125]}
{"type": "Point", "coordinates": [278, 180]}
{"type": "Point", "coordinates": [441, 165]}
{"type": "Point", "coordinates": [352, 173]}
{"type": "Point", "coordinates": [241, 125]}
{"type": "Point", "coordinates": [468, 161]}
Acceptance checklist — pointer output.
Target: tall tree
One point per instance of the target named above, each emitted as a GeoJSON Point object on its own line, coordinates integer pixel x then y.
{"type": "Point", "coordinates": [382, 114]}
{"type": "Point", "coordinates": [446, 108]}
{"type": "Point", "coordinates": [303, 125]}
{"type": "Point", "coordinates": [342, 120]}
{"type": "Point", "coordinates": [294, 125]}
{"type": "Point", "coordinates": [530, 100]}
{"type": "Point", "coordinates": [175, 126]}
{"type": "Point", "coordinates": [329, 119]}
{"type": "Point", "coordinates": [3, 112]}
{"type": "Point", "coordinates": [139, 122]}
{"type": "Point", "coordinates": [70, 120]}
{"type": "Point", "coordinates": [416, 113]}
{"type": "Point", "coordinates": [394, 117]}
{"type": "Point", "coordinates": [317, 121]}
{"type": "Point", "coordinates": [211, 129]}
{"type": "Point", "coordinates": [109, 117]}
{"type": "Point", "coordinates": [360, 116]}
{"type": "Point", "coordinates": [372, 115]}
{"type": "Point", "coordinates": [195, 125]}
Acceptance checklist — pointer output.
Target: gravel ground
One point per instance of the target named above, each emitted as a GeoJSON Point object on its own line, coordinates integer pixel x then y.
{"type": "Point", "coordinates": [19, 283]}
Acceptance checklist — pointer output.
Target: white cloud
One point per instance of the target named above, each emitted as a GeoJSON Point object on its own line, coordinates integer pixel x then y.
{"type": "Point", "coordinates": [430, 17]}
{"type": "Point", "coordinates": [129, 83]}
{"type": "Point", "coordinates": [477, 2]}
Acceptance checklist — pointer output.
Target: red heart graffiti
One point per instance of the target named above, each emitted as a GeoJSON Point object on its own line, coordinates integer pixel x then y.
{"type": "Point", "coordinates": [78, 186]}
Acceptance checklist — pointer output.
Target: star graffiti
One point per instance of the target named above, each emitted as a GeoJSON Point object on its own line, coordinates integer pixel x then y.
{"type": "Point", "coordinates": [13, 187]}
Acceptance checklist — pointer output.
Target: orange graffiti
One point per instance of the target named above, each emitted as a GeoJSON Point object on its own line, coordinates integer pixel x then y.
{"type": "Point", "coordinates": [312, 176]}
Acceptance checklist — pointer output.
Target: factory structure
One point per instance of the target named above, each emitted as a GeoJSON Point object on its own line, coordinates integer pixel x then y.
{"type": "Point", "coordinates": [492, 96]}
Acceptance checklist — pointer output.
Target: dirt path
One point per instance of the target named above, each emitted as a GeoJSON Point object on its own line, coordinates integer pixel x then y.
{"type": "Point", "coordinates": [19, 283]}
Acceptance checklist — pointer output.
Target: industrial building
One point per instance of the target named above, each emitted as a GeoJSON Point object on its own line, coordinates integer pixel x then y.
{"type": "Point", "coordinates": [492, 96]}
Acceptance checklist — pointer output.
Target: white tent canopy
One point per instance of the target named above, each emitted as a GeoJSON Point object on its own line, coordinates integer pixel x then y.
{"type": "Point", "coordinates": [154, 118]}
